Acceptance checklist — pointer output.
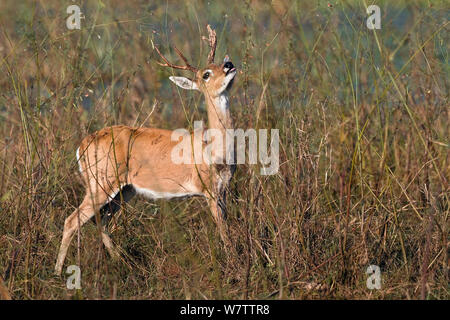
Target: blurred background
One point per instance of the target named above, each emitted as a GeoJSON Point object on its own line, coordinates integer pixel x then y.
{"type": "Point", "coordinates": [364, 148]}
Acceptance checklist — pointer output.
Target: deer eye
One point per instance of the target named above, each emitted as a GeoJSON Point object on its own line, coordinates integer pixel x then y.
{"type": "Point", "coordinates": [206, 75]}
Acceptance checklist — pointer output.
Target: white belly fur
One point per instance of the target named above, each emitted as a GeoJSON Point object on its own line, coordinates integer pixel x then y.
{"type": "Point", "coordinates": [164, 195]}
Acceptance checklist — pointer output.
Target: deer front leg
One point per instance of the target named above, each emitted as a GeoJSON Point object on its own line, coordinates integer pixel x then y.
{"type": "Point", "coordinates": [217, 199]}
{"type": "Point", "coordinates": [218, 216]}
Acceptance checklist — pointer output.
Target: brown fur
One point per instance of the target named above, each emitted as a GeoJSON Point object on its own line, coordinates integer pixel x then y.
{"type": "Point", "coordinates": [117, 156]}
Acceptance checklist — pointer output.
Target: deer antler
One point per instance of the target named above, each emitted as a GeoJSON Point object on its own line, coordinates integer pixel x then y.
{"type": "Point", "coordinates": [212, 41]}
{"type": "Point", "coordinates": [171, 65]}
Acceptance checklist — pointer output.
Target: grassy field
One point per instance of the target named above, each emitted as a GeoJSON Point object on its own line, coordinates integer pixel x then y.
{"type": "Point", "coordinates": [364, 148]}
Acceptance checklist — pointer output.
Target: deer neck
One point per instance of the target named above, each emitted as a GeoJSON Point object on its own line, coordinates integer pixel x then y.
{"type": "Point", "coordinates": [219, 119]}
{"type": "Point", "coordinates": [218, 109]}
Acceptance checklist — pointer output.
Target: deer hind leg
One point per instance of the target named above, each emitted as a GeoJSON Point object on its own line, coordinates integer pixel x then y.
{"type": "Point", "coordinates": [109, 209]}
{"type": "Point", "coordinates": [109, 245]}
{"type": "Point", "coordinates": [107, 212]}
{"type": "Point", "coordinates": [85, 211]}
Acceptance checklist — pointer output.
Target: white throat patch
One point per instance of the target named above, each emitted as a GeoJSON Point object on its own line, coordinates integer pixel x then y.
{"type": "Point", "coordinates": [222, 103]}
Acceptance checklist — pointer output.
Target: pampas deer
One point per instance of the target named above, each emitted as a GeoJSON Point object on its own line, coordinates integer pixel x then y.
{"type": "Point", "coordinates": [123, 161]}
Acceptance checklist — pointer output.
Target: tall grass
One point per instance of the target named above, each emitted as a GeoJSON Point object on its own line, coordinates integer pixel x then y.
{"type": "Point", "coordinates": [364, 148]}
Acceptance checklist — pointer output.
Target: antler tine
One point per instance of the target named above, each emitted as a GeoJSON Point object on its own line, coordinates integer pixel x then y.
{"type": "Point", "coordinates": [194, 69]}
{"type": "Point", "coordinates": [171, 65]}
{"type": "Point", "coordinates": [212, 41]}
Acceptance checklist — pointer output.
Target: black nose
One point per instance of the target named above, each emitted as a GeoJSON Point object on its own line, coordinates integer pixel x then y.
{"type": "Point", "coordinates": [228, 65]}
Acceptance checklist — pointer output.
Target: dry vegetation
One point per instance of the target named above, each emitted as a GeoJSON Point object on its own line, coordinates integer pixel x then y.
{"type": "Point", "coordinates": [364, 151]}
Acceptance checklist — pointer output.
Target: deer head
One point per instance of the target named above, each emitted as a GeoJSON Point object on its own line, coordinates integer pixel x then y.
{"type": "Point", "coordinates": [213, 80]}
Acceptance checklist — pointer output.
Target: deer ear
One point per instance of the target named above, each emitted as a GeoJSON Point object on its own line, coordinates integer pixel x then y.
{"type": "Point", "coordinates": [184, 83]}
